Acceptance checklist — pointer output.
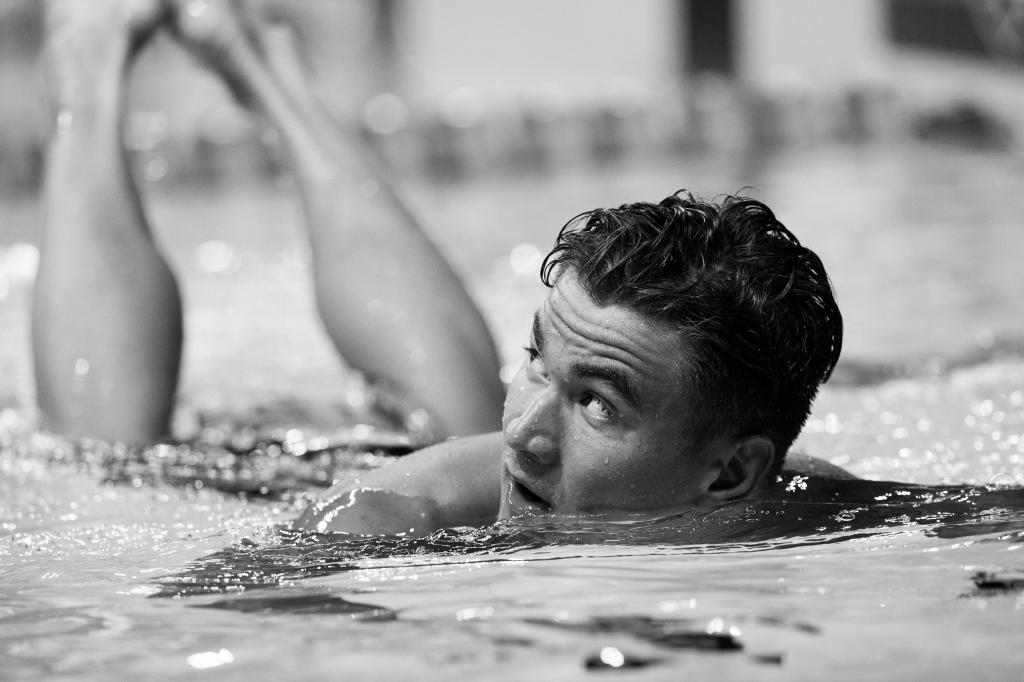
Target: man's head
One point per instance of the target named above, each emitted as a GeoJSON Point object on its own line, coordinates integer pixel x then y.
{"type": "Point", "coordinates": [673, 363]}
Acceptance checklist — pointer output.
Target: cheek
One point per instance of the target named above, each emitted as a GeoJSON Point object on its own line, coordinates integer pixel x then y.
{"type": "Point", "coordinates": [591, 466]}
{"type": "Point", "coordinates": [636, 470]}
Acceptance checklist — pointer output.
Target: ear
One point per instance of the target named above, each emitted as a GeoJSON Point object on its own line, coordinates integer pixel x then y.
{"type": "Point", "coordinates": [743, 464]}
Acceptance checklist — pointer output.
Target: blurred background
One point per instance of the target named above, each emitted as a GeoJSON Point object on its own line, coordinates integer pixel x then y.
{"type": "Point", "coordinates": [887, 134]}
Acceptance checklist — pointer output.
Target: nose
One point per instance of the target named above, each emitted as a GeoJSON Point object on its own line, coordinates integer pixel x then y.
{"type": "Point", "coordinates": [535, 430]}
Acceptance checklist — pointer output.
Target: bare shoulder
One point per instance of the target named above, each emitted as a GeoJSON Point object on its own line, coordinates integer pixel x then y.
{"type": "Point", "coordinates": [454, 483]}
{"type": "Point", "coordinates": [799, 463]}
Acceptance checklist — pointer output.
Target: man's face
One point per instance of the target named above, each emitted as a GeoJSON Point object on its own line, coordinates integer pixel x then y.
{"type": "Point", "coordinates": [596, 420]}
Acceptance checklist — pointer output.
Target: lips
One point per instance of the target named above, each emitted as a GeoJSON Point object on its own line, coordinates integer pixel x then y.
{"type": "Point", "coordinates": [530, 496]}
{"type": "Point", "coordinates": [524, 500]}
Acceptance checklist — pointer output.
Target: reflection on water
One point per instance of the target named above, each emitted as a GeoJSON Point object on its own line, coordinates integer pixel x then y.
{"type": "Point", "coordinates": [304, 602]}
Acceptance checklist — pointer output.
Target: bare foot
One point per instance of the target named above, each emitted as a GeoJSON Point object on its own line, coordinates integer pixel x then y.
{"type": "Point", "coordinates": [84, 37]}
{"type": "Point", "coordinates": [220, 32]}
{"type": "Point", "coordinates": [282, 55]}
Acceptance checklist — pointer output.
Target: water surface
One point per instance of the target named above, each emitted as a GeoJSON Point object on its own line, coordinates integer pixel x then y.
{"type": "Point", "coordinates": [117, 564]}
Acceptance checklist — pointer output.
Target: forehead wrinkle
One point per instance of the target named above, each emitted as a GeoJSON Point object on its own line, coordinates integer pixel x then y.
{"type": "Point", "coordinates": [601, 338]}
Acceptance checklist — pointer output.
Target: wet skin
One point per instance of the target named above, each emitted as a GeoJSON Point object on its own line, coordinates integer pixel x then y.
{"type": "Point", "coordinates": [595, 419]}
{"type": "Point", "coordinates": [595, 422]}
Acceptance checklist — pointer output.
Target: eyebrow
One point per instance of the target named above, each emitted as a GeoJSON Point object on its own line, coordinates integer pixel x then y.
{"type": "Point", "coordinates": [617, 378]}
{"type": "Point", "coordinates": [538, 336]}
{"type": "Point", "coordinates": [614, 376]}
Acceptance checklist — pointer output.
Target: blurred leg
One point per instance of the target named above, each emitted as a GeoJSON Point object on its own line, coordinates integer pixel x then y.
{"type": "Point", "coordinates": [107, 316]}
{"type": "Point", "coordinates": [388, 299]}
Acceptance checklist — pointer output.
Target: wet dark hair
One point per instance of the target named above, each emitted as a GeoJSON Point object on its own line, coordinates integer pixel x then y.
{"type": "Point", "coordinates": [755, 308]}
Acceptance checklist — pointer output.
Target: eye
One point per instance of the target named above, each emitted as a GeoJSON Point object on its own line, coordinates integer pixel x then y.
{"type": "Point", "coordinates": [596, 408]}
{"type": "Point", "coordinates": [533, 359]}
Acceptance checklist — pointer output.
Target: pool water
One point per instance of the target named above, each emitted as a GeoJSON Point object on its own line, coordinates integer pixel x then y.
{"type": "Point", "coordinates": [119, 564]}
